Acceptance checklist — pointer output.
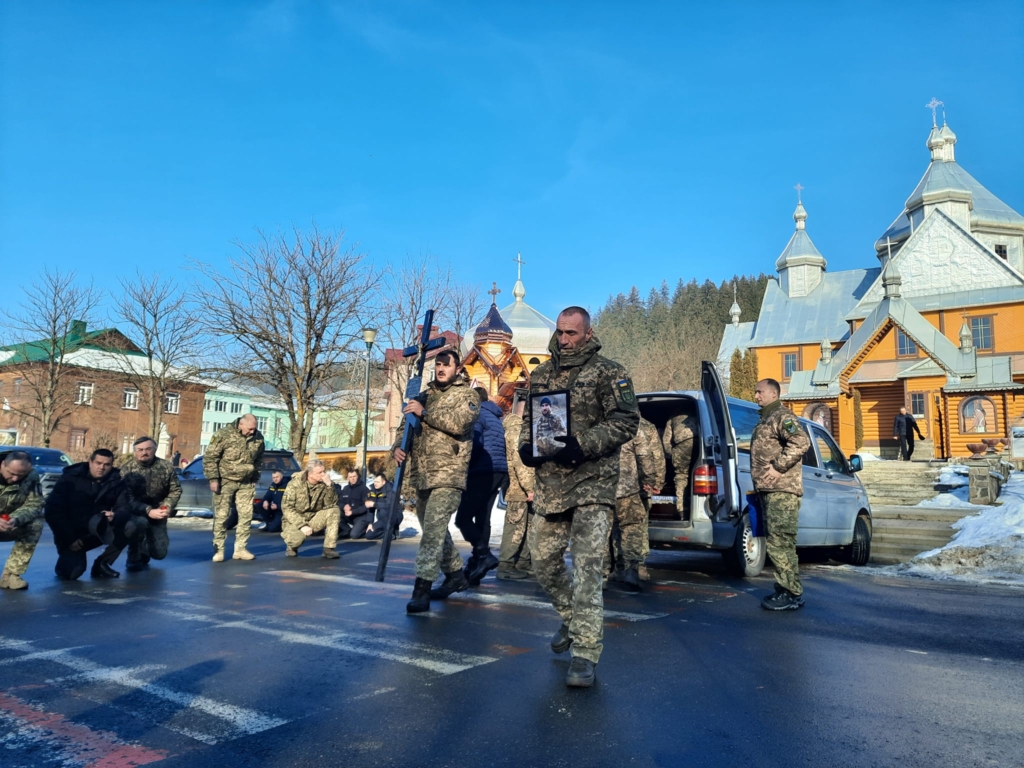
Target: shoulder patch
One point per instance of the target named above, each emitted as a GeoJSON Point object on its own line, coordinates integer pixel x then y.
{"type": "Point", "coordinates": [623, 389]}
{"type": "Point", "coordinates": [790, 426]}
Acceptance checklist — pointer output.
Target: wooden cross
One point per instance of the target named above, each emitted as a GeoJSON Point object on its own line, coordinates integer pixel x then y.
{"type": "Point", "coordinates": [933, 105]}
{"type": "Point", "coordinates": [493, 293]}
{"type": "Point", "coordinates": [519, 260]}
{"type": "Point", "coordinates": [799, 188]}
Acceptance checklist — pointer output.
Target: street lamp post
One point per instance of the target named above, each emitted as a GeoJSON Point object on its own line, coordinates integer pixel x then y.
{"type": "Point", "coordinates": [369, 334]}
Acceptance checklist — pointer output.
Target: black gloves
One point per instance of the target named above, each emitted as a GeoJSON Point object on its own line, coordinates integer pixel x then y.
{"type": "Point", "coordinates": [527, 457]}
{"type": "Point", "coordinates": [571, 455]}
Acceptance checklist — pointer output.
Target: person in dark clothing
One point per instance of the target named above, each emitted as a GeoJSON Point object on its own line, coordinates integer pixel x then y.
{"type": "Point", "coordinates": [378, 499]}
{"type": "Point", "coordinates": [81, 513]}
{"type": "Point", "coordinates": [488, 474]}
{"type": "Point", "coordinates": [271, 503]}
{"type": "Point", "coordinates": [355, 516]}
{"type": "Point", "coordinates": [903, 429]}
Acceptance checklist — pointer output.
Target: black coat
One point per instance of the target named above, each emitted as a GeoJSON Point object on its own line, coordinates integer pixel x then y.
{"type": "Point", "coordinates": [275, 493]}
{"type": "Point", "coordinates": [78, 497]}
{"type": "Point", "coordinates": [906, 425]}
{"type": "Point", "coordinates": [355, 497]}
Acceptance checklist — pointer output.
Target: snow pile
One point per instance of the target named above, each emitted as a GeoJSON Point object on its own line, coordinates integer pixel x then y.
{"type": "Point", "coordinates": [988, 547]}
{"type": "Point", "coordinates": [868, 457]}
{"type": "Point", "coordinates": [954, 475]}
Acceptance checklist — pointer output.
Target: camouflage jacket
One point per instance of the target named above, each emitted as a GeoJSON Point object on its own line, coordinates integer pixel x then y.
{"type": "Point", "coordinates": [150, 487]}
{"type": "Point", "coordinates": [444, 441]}
{"type": "Point", "coordinates": [780, 442]}
{"type": "Point", "coordinates": [301, 500]}
{"type": "Point", "coordinates": [603, 416]}
{"type": "Point", "coordinates": [680, 429]}
{"type": "Point", "coordinates": [549, 426]}
{"type": "Point", "coordinates": [520, 476]}
{"type": "Point", "coordinates": [641, 462]}
{"type": "Point", "coordinates": [22, 502]}
{"type": "Point", "coordinates": [233, 457]}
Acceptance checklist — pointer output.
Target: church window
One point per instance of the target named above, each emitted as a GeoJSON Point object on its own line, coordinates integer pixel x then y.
{"type": "Point", "coordinates": [905, 346]}
{"type": "Point", "coordinates": [917, 405]}
{"type": "Point", "coordinates": [1001, 252]}
{"type": "Point", "coordinates": [788, 364]}
{"type": "Point", "coordinates": [534, 361]}
{"type": "Point", "coordinates": [981, 330]}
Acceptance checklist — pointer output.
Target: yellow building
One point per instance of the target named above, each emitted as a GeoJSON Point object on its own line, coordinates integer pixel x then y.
{"type": "Point", "coordinates": [937, 327]}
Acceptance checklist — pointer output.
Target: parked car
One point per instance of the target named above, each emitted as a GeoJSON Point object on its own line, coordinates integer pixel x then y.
{"type": "Point", "coordinates": [834, 511]}
{"type": "Point", "coordinates": [195, 488]}
{"type": "Point", "coordinates": [48, 462]}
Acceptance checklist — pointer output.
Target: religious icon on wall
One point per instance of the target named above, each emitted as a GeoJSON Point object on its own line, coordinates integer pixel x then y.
{"type": "Point", "coordinates": [820, 414]}
{"type": "Point", "coordinates": [977, 416]}
{"type": "Point", "coordinates": [549, 418]}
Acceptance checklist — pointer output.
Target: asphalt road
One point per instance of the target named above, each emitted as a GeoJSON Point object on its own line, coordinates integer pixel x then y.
{"type": "Point", "coordinates": [308, 662]}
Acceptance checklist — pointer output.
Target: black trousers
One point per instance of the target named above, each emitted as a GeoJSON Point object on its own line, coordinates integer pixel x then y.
{"type": "Point", "coordinates": [906, 446]}
{"type": "Point", "coordinates": [70, 565]}
{"type": "Point", "coordinates": [473, 518]}
{"type": "Point", "coordinates": [354, 527]}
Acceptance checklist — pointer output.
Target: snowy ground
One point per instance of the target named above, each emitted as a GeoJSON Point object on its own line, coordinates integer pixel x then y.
{"type": "Point", "coordinates": [989, 544]}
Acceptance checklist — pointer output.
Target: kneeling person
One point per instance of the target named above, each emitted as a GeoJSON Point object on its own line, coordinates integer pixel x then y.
{"type": "Point", "coordinates": [81, 513]}
{"type": "Point", "coordinates": [21, 507]}
{"type": "Point", "coordinates": [310, 504]}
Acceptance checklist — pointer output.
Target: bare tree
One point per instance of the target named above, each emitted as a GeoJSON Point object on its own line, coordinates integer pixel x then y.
{"type": "Point", "coordinates": [463, 307]}
{"type": "Point", "coordinates": [163, 323]}
{"type": "Point", "coordinates": [48, 325]}
{"type": "Point", "coordinates": [288, 312]}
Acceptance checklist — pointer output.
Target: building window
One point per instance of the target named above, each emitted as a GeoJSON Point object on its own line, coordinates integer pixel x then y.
{"type": "Point", "coordinates": [917, 405]}
{"type": "Point", "coordinates": [220, 405]}
{"type": "Point", "coordinates": [208, 405]}
{"type": "Point", "coordinates": [130, 401]}
{"type": "Point", "coordinates": [206, 426]}
{"type": "Point", "coordinates": [977, 416]}
{"type": "Point", "coordinates": [83, 393]}
{"type": "Point", "coordinates": [788, 364]}
{"type": "Point", "coordinates": [17, 389]}
{"type": "Point", "coordinates": [236, 407]}
{"type": "Point", "coordinates": [277, 427]}
{"type": "Point", "coordinates": [261, 423]}
{"type": "Point", "coordinates": [127, 443]}
{"type": "Point", "coordinates": [905, 346]}
{"type": "Point", "coordinates": [76, 440]}
{"type": "Point", "coordinates": [323, 421]}
{"type": "Point", "coordinates": [172, 402]}
{"type": "Point", "coordinates": [1001, 252]}
{"type": "Point", "coordinates": [981, 330]}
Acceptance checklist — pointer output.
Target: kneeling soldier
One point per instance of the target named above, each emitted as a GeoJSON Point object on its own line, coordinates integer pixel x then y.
{"type": "Point", "coordinates": [309, 505]}
{"type": "Point", "coordinates": [21, 507]}
{"type": "Point", "coordinates": [81, 513]}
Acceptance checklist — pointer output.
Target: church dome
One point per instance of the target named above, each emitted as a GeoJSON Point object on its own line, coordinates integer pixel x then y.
{"type": "Point", "coordinates": [531, 330]}
{"type": "Point", "coordinates": [493, 327]}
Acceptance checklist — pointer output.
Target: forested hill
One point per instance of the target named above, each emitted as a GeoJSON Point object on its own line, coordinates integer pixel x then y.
{"type": "Point", "coordinates": [661, 339]}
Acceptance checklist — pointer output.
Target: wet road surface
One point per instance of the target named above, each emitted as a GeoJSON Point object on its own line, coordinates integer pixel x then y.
{"type": "Point", "coordinates": [308, 662]}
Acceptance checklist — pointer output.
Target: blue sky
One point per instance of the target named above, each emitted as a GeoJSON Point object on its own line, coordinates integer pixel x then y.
{"type": "Point", "coordinates": [612, 143]}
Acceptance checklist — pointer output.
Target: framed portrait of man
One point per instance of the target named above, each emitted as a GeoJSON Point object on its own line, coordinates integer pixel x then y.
{"type": "Point", "coordinates": [549, 418]}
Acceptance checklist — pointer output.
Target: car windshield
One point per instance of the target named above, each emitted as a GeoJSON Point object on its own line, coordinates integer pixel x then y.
{"type": "Point", "coordinates": [283, 462]}
{"type": "Point", "coordinates": [744, 419]}
{"type": "Point", "coordinates": [48, 457]}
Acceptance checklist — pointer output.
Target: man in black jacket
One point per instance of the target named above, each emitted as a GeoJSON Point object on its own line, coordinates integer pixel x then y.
{"type": "Point", "coordinates": [903, 430]}
{"type": "Point", "coordinates": [378, 499]}
{"type": "Point", "coordinates": [272, 509]}
{"type": "Point", "coordinates": [355, 517]}
{"type": "Point", "coordinates": [80, 511]}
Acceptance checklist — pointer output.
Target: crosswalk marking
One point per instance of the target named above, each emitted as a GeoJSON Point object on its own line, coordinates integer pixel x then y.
{"type": "Point", "coordinates": [480, 597]}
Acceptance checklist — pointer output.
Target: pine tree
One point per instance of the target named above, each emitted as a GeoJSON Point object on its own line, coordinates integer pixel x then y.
{"type": "Point", "coordinates": [858, 421]}
{"type": "Point", "coordinates": [737, 374]}
{"type": "Point", "coordinates": [357, 435]}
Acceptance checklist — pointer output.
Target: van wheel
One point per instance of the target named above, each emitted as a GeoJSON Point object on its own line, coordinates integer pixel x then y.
{"type": "Point", "coordinates": [859, 550]}
{"type": "Point", "coordinates": [747, 554]}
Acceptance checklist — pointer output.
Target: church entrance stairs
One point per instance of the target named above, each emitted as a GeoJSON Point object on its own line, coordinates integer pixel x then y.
{"type": "Point", "coordinates": [899, 483]}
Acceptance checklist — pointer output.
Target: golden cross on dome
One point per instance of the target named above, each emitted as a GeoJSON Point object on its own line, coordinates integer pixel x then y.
{"type": "Point", "coordinates": [519, 260]}
{"type": "Point", "coordinates": [799, 188]}
{"type": "Point", "coordinates": [493, 293]}
{"type": "Point", "coordinates": [933, 105]}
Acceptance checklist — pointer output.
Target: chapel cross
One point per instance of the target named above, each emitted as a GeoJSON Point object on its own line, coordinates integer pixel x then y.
{"type": "Point", "coordinates": [493, 293]}
{"type": "Point", "coordinates": [519, 260]}
{"type": "Point", "coordinates": [799, 188]}
{"type": "Point", "coordinates": [933, 105]}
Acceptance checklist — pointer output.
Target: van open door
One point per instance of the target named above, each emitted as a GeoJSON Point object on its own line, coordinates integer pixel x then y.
{"type": "Point", "coordinates": [723, 443]}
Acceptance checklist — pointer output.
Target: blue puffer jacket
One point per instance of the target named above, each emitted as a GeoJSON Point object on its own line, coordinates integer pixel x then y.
{"type": "Point", "coordinates": [488, 441]}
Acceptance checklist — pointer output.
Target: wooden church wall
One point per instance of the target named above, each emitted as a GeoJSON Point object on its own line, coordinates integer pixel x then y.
{"type": "Point", "coordinates": [879, 407]}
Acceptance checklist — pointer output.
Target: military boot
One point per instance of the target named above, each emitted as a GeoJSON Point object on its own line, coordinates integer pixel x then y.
{"type": "Point", "coordinates": [12, 581]}
{"type": "Point", "coordinates": [243, 554]}
{"type": "Point", "coordinates": [582, 673]}
{"type": "Point", "coordinates": [453, 582]}
{"type": "Point", "coordinates": [782, 600]}
{"type": "Point", "coordinates": [643, 573]}
{"type": "Point", "coordinates": [100, 570]}
{"type": "Point", "coordinates": [631, 580]}
{"type": "Point", "coordinates": [291, 551]}
{"type": "Point", "coordinates": [561, 641]}
{"type": "Point", "coordinates": [330, 553]}
{"type": "Point", "coordinates": [218, 556]}
{"type": "Point", "coordinates": [509, 573]}
{"type": "Point", "coordinates": [420, 597]}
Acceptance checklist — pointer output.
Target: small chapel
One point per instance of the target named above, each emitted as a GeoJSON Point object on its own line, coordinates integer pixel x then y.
{"type": "Point", "coordinates": [936, 326]}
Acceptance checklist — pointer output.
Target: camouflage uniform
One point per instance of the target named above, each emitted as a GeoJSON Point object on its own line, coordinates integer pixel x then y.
{"type": "Point", "coordinates": [23, 503]}
{"type": "Point", "coordinates": [312, 505]}
{"type": "Point", "coordinates": [571, 503]}
{"type": "Point", "coordinates": [515, 552]}
{"type": "Point", "coordinates": [678, 442]}
{"type": "Point", "coordinates": [549, 426]}
{"type": "Point", "coordinates": [641, 462]}
{"type": "Point", "coordinates": [235, 460]}
{"type": "Point", "coordinates": [147, 487]}
{"type": "Point", "coordinates": [780, 442]}
{"type": "Point", "coordinates": [438, 463]}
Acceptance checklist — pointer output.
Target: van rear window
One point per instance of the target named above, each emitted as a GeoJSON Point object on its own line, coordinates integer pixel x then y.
{"type": "Point", "coordinates": [743, 422]}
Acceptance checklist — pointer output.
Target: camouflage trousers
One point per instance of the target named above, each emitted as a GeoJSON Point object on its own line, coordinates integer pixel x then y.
{"type": "Point", "coordinates": [514, 546]}
{"type": "Point", "coordinates": [326, 520]}
{"type": "Point", "coordinates": [781, 516]}
{"type": "Point", "coordinates": [242, 495]}
{"type": "Point", "coordinates": [25, 538]}
{"type": "Point", "coordinates": [627, 525]}
{"type": "Point", "coordinates": [682, 455]}
{"type": "Point", "coordinates": [437, 551]}
{"type": "Point", "coordinates": [146, 539]}
{"type": "Point", "coordinates": [578, 600]}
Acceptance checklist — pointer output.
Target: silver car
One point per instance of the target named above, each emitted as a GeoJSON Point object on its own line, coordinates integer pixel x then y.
{"type": "Point", "coordinates": [720, 509]}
